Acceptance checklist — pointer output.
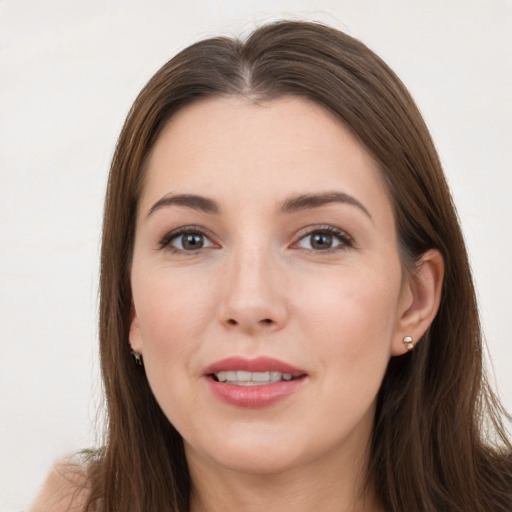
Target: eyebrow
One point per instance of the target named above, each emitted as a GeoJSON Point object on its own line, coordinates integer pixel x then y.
{"type": "Point", "coordinates": [193, 201]}
{"type": "Point", "coordinates": [292, 205]}
{"type": "Point", "coordinates": [310, 201]}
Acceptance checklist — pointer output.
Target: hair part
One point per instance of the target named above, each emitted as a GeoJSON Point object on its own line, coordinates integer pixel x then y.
{"type": "Point", "coordinates": [428, 453]}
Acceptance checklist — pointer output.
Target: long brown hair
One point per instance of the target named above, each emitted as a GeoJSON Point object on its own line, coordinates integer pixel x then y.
{"type": "Point", "coordinates": [430, 451]}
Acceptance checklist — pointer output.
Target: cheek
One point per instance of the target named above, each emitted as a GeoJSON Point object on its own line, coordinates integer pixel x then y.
{"type": "Point", "coordinates": [173, 313]}
{"type": "Point", "coordinates": [351, 323]}
{"type": "Point", "coordinates": [173, 309]}
{"type": "Point", "coordinates": [354, 316]}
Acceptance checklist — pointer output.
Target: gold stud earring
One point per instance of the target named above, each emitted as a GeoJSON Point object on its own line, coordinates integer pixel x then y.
{"type": "Point", "coordinates": [409, 343]}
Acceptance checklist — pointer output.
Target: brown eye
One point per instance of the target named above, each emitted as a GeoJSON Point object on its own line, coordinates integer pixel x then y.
{"type": "Point", "coordinates": [325, 239]}
{"type": "Point", "coordinates": [192, 241]}
{"type": "Point", "coordinates": [187, 241]}
{"type": "Point", "coordinates": [321, 241]}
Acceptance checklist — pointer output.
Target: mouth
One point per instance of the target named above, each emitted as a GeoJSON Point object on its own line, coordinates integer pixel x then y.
{"type": "Point", "coordinates": [253, 383]}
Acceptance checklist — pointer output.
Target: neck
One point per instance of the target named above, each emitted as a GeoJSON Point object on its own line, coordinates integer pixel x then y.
{"type": "Point", "coordinates": [327, 487]}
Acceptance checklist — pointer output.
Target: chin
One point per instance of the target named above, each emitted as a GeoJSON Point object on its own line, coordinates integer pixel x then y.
{"type": "Point", "coordinates": [248, 461]}
{"type": "Point", "coordinates": [258, 453]}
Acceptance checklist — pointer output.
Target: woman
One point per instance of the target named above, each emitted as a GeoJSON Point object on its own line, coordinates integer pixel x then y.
{"type": "Point", "coordinates": [287, 317]}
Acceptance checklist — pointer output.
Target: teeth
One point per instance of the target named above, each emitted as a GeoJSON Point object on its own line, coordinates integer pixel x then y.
{"type": "Point", "coordinates": [243, 378]}
{"type": "Point", "coordinates": [231, 376]}
{"type": "Point", "coordinates": [260, 377]}
{"type": "Point", "coordinates": [275, 376]}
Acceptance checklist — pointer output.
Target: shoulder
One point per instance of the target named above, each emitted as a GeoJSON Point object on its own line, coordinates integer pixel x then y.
{"type": "Point", "coordinates": [64, 490]}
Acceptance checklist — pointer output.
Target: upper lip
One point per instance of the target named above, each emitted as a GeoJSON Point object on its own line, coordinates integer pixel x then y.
{"type": "Point", "coordinates": [258, 364]}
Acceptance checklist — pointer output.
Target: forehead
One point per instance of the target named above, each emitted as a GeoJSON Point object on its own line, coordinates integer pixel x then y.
{"type": "Point", "coordinates": [285, 146]}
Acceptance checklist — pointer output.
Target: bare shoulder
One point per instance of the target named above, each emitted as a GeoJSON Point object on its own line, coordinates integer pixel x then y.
{"type": "Point", "coordinates": [64, 490]}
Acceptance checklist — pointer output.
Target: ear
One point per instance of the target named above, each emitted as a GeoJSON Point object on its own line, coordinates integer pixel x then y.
{"type": "Point", "coordinates": [134, 336]}
{"type": "Point", "coordinates": [419, 302]}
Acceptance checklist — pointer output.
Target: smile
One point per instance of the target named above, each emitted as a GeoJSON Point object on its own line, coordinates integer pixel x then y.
{"type": "Point", "coordinates": [253, 383]}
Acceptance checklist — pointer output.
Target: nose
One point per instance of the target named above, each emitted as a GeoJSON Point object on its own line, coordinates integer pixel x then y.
{"type": "Point", "coordinates": [254, 293]}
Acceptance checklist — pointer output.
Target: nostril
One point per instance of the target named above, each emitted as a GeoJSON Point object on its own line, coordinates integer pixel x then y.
{"type": "Point", "coordinates": [264, 321]}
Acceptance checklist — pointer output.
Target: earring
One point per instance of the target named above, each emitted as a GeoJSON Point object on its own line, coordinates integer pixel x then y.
{"type": "Point", "coordinates": [136, 355]}
{"type": "Point", "coordinates": [409, 343]}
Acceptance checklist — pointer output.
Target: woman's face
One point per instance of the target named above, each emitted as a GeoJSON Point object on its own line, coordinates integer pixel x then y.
{"type": "Point", "coordinates": [267, 287]}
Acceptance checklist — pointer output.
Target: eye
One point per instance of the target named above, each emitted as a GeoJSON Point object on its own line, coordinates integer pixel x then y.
{"type": "Point", "coordinates": [186, 240]}
{"type": "Point", "coordinates": [325, 239]}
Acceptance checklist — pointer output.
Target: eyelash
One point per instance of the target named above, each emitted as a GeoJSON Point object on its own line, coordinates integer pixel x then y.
{"type": "Point", "coordinates": [345, 240]}
{"type": "Point", "coordinates": [165, 242]}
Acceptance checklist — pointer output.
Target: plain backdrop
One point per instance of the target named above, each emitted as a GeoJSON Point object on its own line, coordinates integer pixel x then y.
{"type": "Point", "coordinates": [69, 71]}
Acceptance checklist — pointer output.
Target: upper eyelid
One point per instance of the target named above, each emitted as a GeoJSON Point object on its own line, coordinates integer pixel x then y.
{"type": "Point", "coordinates": [308, 230]}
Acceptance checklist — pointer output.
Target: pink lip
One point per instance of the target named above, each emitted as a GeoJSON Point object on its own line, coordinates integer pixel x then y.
{"type": "Point", "coordinates": [259, 364]}
{"type": "Point", "coordinates": [253, 397]}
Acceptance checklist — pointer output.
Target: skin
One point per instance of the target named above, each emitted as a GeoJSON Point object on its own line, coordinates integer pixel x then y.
{"type": "Point", "coordinates": [259, 286]}
{"type": "Point", "coordinates": [65, 490]}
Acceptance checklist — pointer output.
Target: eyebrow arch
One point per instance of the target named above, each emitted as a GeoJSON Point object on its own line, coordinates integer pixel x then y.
{"type": "Point", "coordinates": [310, 201]}
{"type": "Point", "coordinates": [193, 201]}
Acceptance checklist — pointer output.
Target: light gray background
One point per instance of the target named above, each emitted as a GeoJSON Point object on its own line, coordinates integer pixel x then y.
{"type": "Point", "coordinates": [69, 71]}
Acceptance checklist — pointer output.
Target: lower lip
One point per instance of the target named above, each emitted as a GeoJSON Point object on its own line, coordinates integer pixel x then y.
{"type": "Point", "coordinates": [254, 397]}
